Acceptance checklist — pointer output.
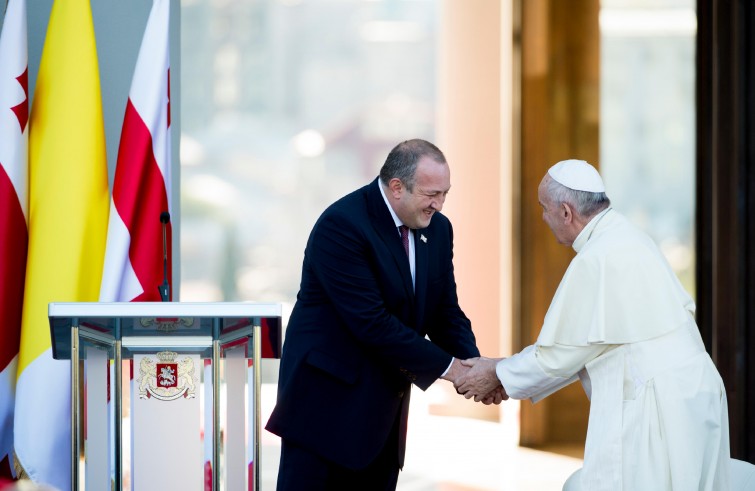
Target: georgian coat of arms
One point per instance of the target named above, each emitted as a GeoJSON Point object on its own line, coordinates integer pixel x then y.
{"type": "Point", "coordinates": [166, 324]}
{"type": "Point", "coordinates": [167, 378]}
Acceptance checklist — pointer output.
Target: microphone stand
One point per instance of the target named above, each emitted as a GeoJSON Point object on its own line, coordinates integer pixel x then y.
{"type": "Point", "coordinates": [164, 289]}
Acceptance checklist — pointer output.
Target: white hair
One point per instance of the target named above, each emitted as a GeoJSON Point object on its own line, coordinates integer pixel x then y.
{"type": "Point", "coordinates": [585, 203]}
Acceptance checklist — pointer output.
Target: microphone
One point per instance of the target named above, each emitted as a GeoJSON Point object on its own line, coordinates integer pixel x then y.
{"type": "Point", "coordinates": [164, 289]}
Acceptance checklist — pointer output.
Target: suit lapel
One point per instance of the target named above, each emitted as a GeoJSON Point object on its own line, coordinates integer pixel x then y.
{"type": "Point", "coordinates": [386, 229]}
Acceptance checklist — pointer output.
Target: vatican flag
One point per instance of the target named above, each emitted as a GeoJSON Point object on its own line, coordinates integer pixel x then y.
{"type": "Point", "coordinates": [68, 216]}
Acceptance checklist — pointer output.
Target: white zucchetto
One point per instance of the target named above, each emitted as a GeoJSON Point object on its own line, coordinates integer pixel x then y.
{"type": "Point", "coordinates": [577, 175]}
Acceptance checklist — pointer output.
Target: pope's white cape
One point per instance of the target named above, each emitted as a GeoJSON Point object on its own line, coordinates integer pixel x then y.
{"type": "Point", "coordinates": [603, 295]}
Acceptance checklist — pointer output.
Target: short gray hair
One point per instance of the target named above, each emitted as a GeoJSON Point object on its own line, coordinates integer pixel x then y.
{"type": "Point", "coordinates": [585, 203]}
{"type": "Point", "coordinates": [401, 162]}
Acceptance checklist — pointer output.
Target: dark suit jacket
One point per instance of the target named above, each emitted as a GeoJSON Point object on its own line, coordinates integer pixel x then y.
{"type": "Point", "coordinates": [356, 337]}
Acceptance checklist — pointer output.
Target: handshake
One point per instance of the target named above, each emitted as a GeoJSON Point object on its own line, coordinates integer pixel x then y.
{"type": "Point", "coordinates": [476, 377]}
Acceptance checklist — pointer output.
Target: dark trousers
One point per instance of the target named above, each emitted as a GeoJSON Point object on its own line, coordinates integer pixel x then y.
{"type": "Point", "coordinates": [303, 470]}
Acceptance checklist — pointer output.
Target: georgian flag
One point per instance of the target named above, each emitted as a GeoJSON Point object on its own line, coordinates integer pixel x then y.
{"type": "Point", "coordinates": [142, 185]}
{"type": "Point", "coordinates": [14, 211]}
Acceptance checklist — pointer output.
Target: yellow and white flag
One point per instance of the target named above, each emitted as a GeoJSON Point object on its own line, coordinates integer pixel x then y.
{"type": "Point", "coordinates": [68, 216]}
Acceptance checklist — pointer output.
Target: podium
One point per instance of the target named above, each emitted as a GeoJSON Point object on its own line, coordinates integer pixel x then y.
{"type": "Point", "coordinates": [99, 336]}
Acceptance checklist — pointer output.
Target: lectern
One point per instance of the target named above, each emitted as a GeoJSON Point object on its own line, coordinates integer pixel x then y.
{"type": "Point", "coordinates": [171, 345]}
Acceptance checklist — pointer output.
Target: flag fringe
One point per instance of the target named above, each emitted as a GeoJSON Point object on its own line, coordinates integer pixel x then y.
{"type": "Point", "coordinates": [19, 470]}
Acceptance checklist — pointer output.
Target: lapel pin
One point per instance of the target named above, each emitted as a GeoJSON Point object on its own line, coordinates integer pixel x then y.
{"type": "Point", "coordinates": [423, 238]}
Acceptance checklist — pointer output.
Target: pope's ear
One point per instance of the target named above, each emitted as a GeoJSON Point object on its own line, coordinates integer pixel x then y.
{"type": "Point", "coordinates": [567, 213]}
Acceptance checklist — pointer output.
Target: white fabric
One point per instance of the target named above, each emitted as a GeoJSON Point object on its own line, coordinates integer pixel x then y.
{"type": "Point", "coordinates": [618, 289]}
{"type": "Point", "coordinates": [47, 382]}
{"type": "Point", "coordinates": [526, 379]}
{"type": "Point", "coordinates": [603, 450]}
{"type": "Point", "coordinates": [7, 401]}
{"type": "Point", "coordinates": [119, 280]}
{"type": "Point", "coordinates": [621, 322]}
{"type": "Point", "coordinates": [538, 371]}
{"type": "Point", "coordinates": [572, 483]}
{"type": "Point", "coordinates": [14, 139]}
{"type": "Point", "coordinates": [577, 175]}
{"type": "Point", "coordinates": [676, 429]}
{"type": "Point", "coordinates": [742, 475]}
{"type": "Point", "coordinates": [149, 86]}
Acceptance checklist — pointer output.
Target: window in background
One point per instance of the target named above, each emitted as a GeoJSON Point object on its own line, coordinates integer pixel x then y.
{"type": "Point", "coordinates": [647, 131]}
{"type": "Point", "coordinates": [286, 106]}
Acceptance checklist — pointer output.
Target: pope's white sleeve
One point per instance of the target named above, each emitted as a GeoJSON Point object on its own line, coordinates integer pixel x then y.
{"type": "Point", "coordinates": [538, 371]}
{"type": "Point", "coordinates": [523, 378]}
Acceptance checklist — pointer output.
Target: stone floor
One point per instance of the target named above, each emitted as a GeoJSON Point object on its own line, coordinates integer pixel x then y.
{"type": "Point", "coordinates": [452, 454]}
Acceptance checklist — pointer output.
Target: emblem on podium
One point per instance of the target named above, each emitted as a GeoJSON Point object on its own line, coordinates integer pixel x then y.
{"type": "Point", "coordinates": [166, 378]}
{"type": "Point", "coordinates": [167, 324]}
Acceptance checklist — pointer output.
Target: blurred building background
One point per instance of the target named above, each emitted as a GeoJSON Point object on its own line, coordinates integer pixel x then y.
{"type": "Point", "coordinates": [647, 120]}
{"type": "Point", "coordinates": [289, 106]}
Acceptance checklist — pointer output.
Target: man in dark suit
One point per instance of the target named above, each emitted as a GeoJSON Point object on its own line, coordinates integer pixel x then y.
{"type": "Point", "coordinates": [356, 340]}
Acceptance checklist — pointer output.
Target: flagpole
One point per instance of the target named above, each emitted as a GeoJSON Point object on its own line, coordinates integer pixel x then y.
{"type": "Point", "coordinates": [75, 394]}
{"type": "Point", "coordinates": [118, 405]}
{"type": "Point", "coordinates": [257, 364]}
{"type": "Point", "coordinates": [216, 405]}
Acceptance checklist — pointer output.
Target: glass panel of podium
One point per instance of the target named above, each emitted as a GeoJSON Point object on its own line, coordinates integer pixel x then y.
{"type": "Point", "coordinates": [188, 414]}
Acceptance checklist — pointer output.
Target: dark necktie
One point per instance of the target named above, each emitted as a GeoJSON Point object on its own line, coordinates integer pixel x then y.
{"type": "Point", "coordinates": [405, 238]}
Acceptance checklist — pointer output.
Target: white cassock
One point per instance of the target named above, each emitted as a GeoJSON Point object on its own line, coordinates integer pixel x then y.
{"type": "Point", "coordinates": [621, 322]}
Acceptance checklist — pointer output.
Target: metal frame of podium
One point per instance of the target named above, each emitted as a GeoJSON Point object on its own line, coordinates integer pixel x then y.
{"type": "Point", "coordinates": [111, 325]}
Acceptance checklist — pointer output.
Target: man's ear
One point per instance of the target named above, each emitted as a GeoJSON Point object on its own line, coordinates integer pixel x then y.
{"type": "Point", "coordinates": [396, 187]}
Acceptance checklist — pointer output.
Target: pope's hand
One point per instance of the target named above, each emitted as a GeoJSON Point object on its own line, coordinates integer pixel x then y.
{"type": "Point", "coordinates": [497, 396]}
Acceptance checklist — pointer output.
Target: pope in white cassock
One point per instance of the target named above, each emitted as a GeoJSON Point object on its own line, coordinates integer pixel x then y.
{"type": "Point", "coordinates": [620, 322]}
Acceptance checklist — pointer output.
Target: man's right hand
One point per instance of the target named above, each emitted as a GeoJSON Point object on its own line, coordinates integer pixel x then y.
{"type": "Point", "coordinates": [455, 372]}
